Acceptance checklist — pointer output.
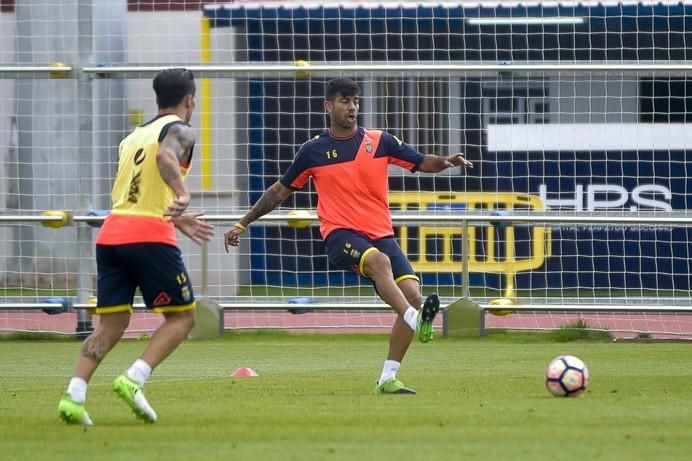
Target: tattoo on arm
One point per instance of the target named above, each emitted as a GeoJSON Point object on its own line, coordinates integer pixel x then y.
{"type": "Point", "coordinates": [94, 348]}
{"type": "Point", "coordinates": [179, 140]}
{"type": "Point", "coordinates": [169, 171]}
{"type": "Point", "coordinates": [270, 199]}
{"type": "Point", "coordinates": [178, 144]}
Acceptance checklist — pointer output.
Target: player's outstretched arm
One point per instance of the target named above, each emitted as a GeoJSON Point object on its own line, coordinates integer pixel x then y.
{"type": "Point", "coordinates": [174, 151]}
{"type": "Point", "coordinates": [270, 199]}
{"type": "Point", "coordinates": [196, 229]}
{"type": "Point", "coordinates": [436, 163]}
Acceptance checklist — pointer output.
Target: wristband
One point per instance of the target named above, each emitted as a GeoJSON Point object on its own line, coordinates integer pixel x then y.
{"type": "Point", "coordinates": [240, 226]}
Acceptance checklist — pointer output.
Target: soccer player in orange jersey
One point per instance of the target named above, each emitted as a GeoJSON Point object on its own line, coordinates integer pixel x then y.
{"type": "Point", "coordinates": [137, 247]}
{"type": "Point", "coordinates": [349, 167]}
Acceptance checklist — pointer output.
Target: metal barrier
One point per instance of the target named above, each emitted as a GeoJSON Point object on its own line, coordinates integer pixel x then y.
{"type": "Point", "coordinates": [483, 253]}
{"type": "Point", "coordinates": [490, 212]}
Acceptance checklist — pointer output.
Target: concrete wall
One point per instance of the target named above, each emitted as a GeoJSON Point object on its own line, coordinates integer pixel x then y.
{"type": "Point", "coordinates": [8, 132]}
{"type": "Point", "coordinates": [50, 143]}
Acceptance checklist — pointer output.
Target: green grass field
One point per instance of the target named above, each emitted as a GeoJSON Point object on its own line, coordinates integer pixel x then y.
{"type": "Point", "coordinates": [480, 399]}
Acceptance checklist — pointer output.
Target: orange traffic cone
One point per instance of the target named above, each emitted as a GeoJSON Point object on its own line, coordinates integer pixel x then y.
{"type": "Point", "coordinates": [244, 373]}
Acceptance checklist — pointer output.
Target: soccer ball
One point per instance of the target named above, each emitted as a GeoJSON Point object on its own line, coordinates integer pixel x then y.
{"type": "Point", "coordinates": [566, 376]}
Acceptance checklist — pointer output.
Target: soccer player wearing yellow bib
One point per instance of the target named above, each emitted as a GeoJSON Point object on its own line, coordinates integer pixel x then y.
{"type": "Point", "coordinates": [137, 247]}
{"type": "Point", "coordinates": [349, 167]}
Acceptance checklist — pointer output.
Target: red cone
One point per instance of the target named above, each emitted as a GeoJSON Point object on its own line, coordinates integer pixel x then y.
{"type": "Point", "coordinates": [244, 373]}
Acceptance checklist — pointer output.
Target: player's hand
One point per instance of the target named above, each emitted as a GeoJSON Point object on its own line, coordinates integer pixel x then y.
{"type": "Point", "coordinates": [197, 230]}
{"type": "Point", "coordinates": [178, 206]}
{"type": "Point", "coordinates": [232, 237]}
{"type": "Point", "coordinates": [458, 159]}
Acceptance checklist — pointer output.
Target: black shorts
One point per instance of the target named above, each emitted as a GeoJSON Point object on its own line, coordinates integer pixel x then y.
{"type": "Point", "coordinates": [346, 249]}
{"type": "Point", "coordinates": [156, 268]}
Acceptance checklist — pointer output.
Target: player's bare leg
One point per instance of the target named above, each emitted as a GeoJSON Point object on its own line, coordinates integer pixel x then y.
{"type": "Point", "coordinates": [402, 335]}
{"type": "Point", "coordinates": [378, 267]}
{"type": "Point", "coordinates": [130, 385]}
{"type": "Point", "coordinates": [97, 345]}
{"type": "Point", "coordinates": [94, 349]}
{"type": "Point", "coordinates": [168, 337]}
{"type": "Point", "coordinates": [400, 339]}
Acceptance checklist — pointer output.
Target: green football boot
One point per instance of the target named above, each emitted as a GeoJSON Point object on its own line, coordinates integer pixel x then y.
{"type": "Point", "coordinates": [426, 315]}
{"type": "Point", "coordinates": [133, 395]}
{"type": "Point", "coordinates": [72, 412]}
{"type": "Point", "coordinates": [393, 386]}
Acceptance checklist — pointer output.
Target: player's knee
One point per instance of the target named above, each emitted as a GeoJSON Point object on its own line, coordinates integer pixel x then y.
{"type": "Point", "coordinates": [377, 263]}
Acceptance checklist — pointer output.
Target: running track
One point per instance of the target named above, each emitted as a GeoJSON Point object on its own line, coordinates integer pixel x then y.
{"type": "Point", "coordinates": [623, 325]}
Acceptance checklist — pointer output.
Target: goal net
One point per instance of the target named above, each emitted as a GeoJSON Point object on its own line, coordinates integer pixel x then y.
{"type": "Point", "coordinates": [576, 111]}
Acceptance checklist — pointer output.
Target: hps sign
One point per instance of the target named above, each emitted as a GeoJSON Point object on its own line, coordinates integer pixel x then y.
{"type": "Point", "coordinates": [594, 197]}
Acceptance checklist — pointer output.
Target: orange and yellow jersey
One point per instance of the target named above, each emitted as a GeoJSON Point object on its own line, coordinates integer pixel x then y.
{"type": "Point", "coordinates": [140, 196]}
{"type": "Point", "coordinates": [351, 176]}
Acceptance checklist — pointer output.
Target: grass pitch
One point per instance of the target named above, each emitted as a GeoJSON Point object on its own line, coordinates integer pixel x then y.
{"type": "Point", "coordinates": [478, 399]}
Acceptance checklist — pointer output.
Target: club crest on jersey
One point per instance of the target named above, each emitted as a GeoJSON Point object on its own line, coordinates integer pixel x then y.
{"type": "Point", "coordinates": [349, 250]}
{"type": "Point", "coordinates": [369, 147]}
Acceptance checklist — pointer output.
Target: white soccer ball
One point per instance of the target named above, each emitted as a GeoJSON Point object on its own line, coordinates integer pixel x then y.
{"type": "Point", "coordinates": [566, 376]}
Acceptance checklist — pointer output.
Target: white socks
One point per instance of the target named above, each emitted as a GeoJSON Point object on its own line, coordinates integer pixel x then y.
{"type": "Point", "coordinates": [77, 390]}
{"type": "Point", "coordinates": [391, 367]}
{"type": "Point", "coordinates": [139, 372]}
{"type": "Point", "coordinates": [411, 318]}
{"type": "Point", "coordinates": [388, 371]}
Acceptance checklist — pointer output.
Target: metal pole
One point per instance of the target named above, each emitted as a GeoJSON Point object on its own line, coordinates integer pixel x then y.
{"type": "Point", "coordinates": [84, 93]}
{"type": "Point", "coordinates": [465, 289]}
{"type": "Point", "coordinates": [428, 68]}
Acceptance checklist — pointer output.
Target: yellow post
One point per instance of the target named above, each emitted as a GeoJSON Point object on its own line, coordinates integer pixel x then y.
{"type": "Point", "coordinates": [489, 261]}
{"type": "Point", "coordinates": [511, 258]}
{"type": "Point", "coordinates": [205, 105]}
